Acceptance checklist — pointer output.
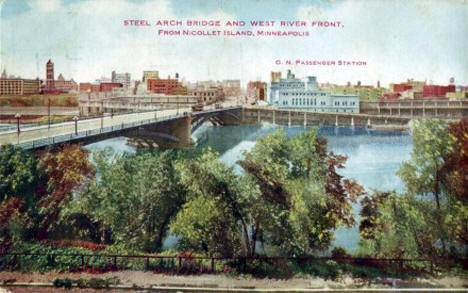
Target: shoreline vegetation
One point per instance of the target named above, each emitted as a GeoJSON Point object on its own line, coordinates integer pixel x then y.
{"type": "Point", "coordinates": [288, 202]}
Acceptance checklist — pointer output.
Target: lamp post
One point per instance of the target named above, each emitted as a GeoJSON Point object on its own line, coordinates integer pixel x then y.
{"type": "Point", "coordinates": [18, 117]}
{"type": "Point", "coordinates": [48, 111]}
{"type": "Point", "coordinates": [102, 114]}
{"type": "Point", "coordinates": [76, 124]}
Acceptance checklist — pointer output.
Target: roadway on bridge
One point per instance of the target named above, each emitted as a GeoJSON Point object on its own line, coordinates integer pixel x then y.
{"type": "Point", "coordinates": [68, 128]}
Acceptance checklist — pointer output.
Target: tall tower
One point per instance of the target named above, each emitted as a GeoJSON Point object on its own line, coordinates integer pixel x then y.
{"type": "Point", "coordinates": [49, 74]}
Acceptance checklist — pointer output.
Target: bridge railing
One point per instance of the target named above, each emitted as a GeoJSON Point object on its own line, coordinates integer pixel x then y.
{"type": "Point", "coordinates": [70, 137]}
{"type": "Point", "coordinates": [92, 132]}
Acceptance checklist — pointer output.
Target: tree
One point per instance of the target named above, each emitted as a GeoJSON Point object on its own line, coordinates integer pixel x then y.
{"type": "Point", "coordinates": [134, 197]}
{"type": "Point", "coordinates": [18, 175]}
{"type": "Point", "coordinates": [397, 226]}
{"type": "Point", "coordinates": [431, 217]}
{"type": "Point", "coordinates": [306, 197]}
{"type": "Point", "coordinates": [64, 170]}
{"type": "Point", "coordinates": [218, 214]}
{"type": "Point", "coordinates": [455, 169]}
{"type": "Point", "coordinates": [431, 145]}
{"type": "Point", "coordinates": [423, 174]}
{"type": "Point", "coordinates": [18, 179]}
{"type": "Point", "coordinates": [455, 178]}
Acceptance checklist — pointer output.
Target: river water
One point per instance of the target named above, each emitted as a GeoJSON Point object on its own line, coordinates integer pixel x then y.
{"type": "Point", "coordinates": [373, 156]}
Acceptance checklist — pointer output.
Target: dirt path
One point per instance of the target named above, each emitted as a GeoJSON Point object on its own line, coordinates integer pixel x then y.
{"type": "Point", "coordinates": [146, 279]}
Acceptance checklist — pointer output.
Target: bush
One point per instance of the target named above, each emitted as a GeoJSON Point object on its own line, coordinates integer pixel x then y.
{"type": "Point", "coordinates": [339, 252]}
{"type": "Point", "coordinates": [66, 283]}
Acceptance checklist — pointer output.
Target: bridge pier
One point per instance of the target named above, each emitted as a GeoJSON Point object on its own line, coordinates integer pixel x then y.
{"type": "Point", "coordinates": [174, 133]}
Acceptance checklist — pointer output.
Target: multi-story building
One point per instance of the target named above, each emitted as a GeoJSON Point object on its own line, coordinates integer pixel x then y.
{"type": "Point", "coordinates": [207, 96]}
{"type": "Point", "coordinates": [292, 92]}
{"type": "Point", "coordinates": [231, 87]}
{"type": "Point", "coordinates": [165, 86]}
{"type": "Point", "coordinates": [50, 75]}
{"type": "Point", "coordinates": [108, 86]}
{"type": "Point", "coordinates": [59, 85]}
{"type": "Point", "coordinates": [123, 78]}
{"type": "Point", "coordinates": [437, 91]}
{"type": "Point", "coordinates": [257, 90]}
{"type": "Point", "coordinates": [154, 74]}
{"type": "Point", "coordinates": [89, 87]}
{"type": "Point", "coordinates": [275, 76]}
{"type": "Point", "coordinates": [65, 85]}
{"type": "Point", "coordinates": [400, 87]}
{"type": "Point", "coordinates": [463, 94]}
{"type": "Point", "coordinates": [19, 86]}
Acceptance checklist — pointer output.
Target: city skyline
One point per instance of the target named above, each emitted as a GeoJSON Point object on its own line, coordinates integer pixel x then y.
{"type": "Point", "coordinates": [419, 39]}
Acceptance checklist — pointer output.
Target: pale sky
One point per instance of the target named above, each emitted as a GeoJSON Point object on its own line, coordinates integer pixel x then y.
{"type": "Point", "coordinates": [398, 39]}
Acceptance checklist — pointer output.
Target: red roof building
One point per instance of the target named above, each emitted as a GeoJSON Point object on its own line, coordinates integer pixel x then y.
{"type": "Point", "coordinates": [398, 88]}
{"type": "Point", "coordinates": [108, 86]}
{"type": "Point", "coordinates": [438, 91]}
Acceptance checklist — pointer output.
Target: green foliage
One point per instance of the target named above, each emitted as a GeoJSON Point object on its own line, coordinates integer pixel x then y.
{"type": "Point", "coordinates": [216, 216]}
{"type": "Point", "coordinates": [432, 143]}
{"type": "Point", "coordinates": [303, 198]}
{"type": "Point", "coordinates": [430, 220]}
{"type": "Point", "coordinates": [135, 197]}
{"type": "Point", "coordinates": [18, 174]}
{"type": "Point", "coordinates": [397, 226]}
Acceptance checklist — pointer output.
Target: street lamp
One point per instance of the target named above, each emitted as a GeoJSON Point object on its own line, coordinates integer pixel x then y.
{"type": "Point", "coordinates": [76, 124]}
{"type": "Point", "coordinates": [102, 114]}
{"type": "Point", "coordinates": [18, 117]}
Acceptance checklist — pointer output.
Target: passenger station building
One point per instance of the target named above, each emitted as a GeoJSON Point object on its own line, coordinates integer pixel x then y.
{"type": "Point", "coordinates": [292, 92]}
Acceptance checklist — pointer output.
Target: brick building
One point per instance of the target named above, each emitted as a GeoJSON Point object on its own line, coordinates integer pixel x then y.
{"type": "Point", "coordinates": [165, 86]}
{"type": "Point", "coordinates": [398, 88]}
{"type": "Point", "coordinates": [19, 86]}
{"type": "Point", "coordinates": [89, 87]}
{"type": "Point", "coordinates": [209, 95]}
{"type": "Point", "coordinates": [438, 91]}
{"type": "Point", "coordinates": [108, 86]}
{"type": "Point", "coordinates": [65, 85]}
{"type": "Point", "coordinates": [256, 90]}
{"type": "Point", "coordinates": [50, 75]}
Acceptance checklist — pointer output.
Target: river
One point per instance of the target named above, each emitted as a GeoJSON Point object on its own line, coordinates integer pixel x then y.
{"type": "Point", "coordinates": [373, 156]}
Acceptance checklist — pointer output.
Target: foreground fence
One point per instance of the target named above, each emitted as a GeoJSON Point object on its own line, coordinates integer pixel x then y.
{"type": "Point", "coordinates": [189, 264]}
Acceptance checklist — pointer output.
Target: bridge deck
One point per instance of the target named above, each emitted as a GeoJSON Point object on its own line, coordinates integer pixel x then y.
{"type": "Point", "coordinates": [40, 136]}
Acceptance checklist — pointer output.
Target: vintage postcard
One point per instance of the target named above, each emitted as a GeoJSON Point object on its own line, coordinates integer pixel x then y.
{"type": "Point", "coordinates": [233, 146]}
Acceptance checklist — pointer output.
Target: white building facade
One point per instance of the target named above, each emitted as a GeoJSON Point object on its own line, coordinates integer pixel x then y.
{"type": "Point", "coordinates": [291, 92]}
